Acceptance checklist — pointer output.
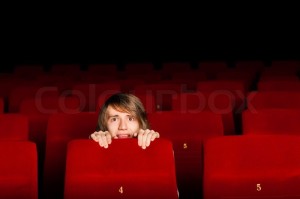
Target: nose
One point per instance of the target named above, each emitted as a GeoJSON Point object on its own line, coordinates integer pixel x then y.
{"type": "Point", "coordinates": [122, 125]}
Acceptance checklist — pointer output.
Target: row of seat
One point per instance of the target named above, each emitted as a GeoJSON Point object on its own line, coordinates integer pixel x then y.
{"type": "Point", "coordinates": [61, 128]}
{"type": "Point", "coordinates": [265, 166]}
{"type": "Point", "coordinates": [155, 98]}
{"type": "Point", "coordinates": [89, 93]}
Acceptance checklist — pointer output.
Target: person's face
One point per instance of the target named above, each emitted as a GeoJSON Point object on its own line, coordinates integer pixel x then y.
{"type": "Point", "coordinates": [121, 124]}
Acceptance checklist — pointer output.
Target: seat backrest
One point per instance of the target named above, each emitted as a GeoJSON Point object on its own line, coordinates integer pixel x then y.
{"type": "Point", "coordinates": [138, 68]}
{"type": "Point", "coordinates": [24, 92]}
{"type": "Point", "coordinates": [273, 99]}
{"type": "Point", "coordinates": [187, 132]}
{"type": "Point", "coordinates": [124, 170]}
{"type": "Point", "coordinates": [236, 88]}
{"type": "Point", "coordinates": [103, 69]}
{"type": "Point", "coordinates": [65, 69]}
{"type": "Point", "coordinates": [90, 93]}
{"type": "Point", "coordinates": [18, 170]}
{"type": "Point", "coordinates": [52, 104]}
{"type": "Point", "coordinates": [2, 104]}
{"type": "Point", "coordinates": [28, 71]}
{"type": "Point", "coordinates": [14, 126]}
{"type": "Point", "coordinates": [172, 124]}
{"type": "Point", "coordinates": [219, 103]}
{"type": "Point", "coordinates": [211, 68]}
{"type": "Point", "coordinates": [162, 93]}
{"type": "Point", "coordinates": [271, 121]}
{"type": "Point", "coordinates": [279, 85]}
{"type": "Point", "coordinates": [61, 129]}
{"type": "Point", "coordinates": [252, 167]}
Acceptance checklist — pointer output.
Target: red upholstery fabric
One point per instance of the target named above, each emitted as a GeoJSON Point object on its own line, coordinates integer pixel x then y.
{"type": "Point", "coordinates": [90, 93]}
{"type": "Point", "coordinates": [199, 101]}
{"type": "Point", "coordinates": [61, 129]}
{"type": "Point", "coordinates": [38, 110]}
{"type": "Point", "coordinates": [211, 68]}
{"type": "Point", "coordinates": [258, 167]}
{"type": "Point", "coordinates": [273, 99]}
{"type": "Point", "coordinates": [18, 170]}
{"type": "Point", "coordinates": [236, 88]}
{"type": "Point", "coordinates": [1, 104]}
{"type": "Point", "coordinates": [279, 85]}
{"type": "Point", "coordinates": [187, 132]}
{"type": "Point", "coordinates": [103, 69]}
{"type": "Point", "coordinates": [14, 126]}
{"type": "Point", "coordinates": [271, 121]}
{"type": "Point", "coordinates": [124, 170]}
{"type": "Point", "coordinates": [30, 71]}
{"type": "Point", "coordinates": [65, 69]}
{"type": "Point", "coordinates": [162, 93]}
{"type": "Point", "coordinates": [138, 68]}
{"type": "Point", "coordinates": [24, 92]}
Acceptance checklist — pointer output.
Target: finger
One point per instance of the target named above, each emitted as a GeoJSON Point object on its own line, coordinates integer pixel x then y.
{"type": "Point", "coordinates": [103, 140]}
{"type": "Point", "coordinates": [108, 138]}
{"type": "Point", "coordinates": [149, 137]}
{"type": "Point", "coordinates": [94, 136]}
{"type": "Point", "coordinates": [154, 135]}
{"type": "Point", "coordinates": [144, 138]}
{"type": "Point", "coordinates": [140, 137]}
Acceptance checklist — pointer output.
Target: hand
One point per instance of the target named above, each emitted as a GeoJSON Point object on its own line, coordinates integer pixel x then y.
{"type": "Point", "coordinates": [102, 137]}
{"type": "Point", "coordinates": [145, 137]}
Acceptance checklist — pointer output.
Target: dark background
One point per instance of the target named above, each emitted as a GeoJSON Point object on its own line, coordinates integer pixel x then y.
{"type": "Point", "coordinates": [46, 34]}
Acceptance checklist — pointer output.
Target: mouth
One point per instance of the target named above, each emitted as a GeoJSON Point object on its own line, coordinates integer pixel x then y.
{"type": "Point", "coordinates": [123, 136]}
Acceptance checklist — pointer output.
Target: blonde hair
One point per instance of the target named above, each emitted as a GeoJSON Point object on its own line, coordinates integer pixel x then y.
{"type": "Point", "coordinates": [123, 102]}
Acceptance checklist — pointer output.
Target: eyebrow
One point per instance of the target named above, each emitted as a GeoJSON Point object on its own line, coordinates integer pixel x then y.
{"type": "Point", "coordinates": [110, 116]}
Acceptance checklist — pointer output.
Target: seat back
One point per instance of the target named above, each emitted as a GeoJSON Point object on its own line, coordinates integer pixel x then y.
{"type": "Point", "coordinates": [14, 126]}
{"type": "Point", "coordinates": [187, 132]}
{"type": "Point", "coordinates": [124, 170]}
{"type": "Point", "coordinates": [252, 167]}
{"type": "Point", "coordinates": [273, 99]}
{"type": "Point", "coordinates": [271, 121]}
{"type": "Point", "coordinates": [61, 129]}
{"type": "Point", "coordinates": [18, 170]}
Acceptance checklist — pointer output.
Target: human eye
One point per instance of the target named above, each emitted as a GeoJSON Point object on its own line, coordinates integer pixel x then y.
{"type": "Point", "coordinates": [113, 119]}
{"type": "Point", "coordinates": [131, 118]}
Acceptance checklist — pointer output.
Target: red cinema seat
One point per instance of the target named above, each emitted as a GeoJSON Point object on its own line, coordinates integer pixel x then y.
{"type": "Point", "coordinates": [273, 99]}
{"type": "Point", "coordinates": [211, 68]}
{"type": "Point", "coordinates": [271, 121]}
{"type": "Point", "coordinates": [2, 104]}
{"type": "Point", "coordinates": [103, 69]}
{"type": "Point", "coordinates": [38, 110]}
{"type": "Point", "coordinates": [162, 93]}
{"type": "Point", "coordinates": [30, 71]}
{"type": "Point", "coordinates": [235, 88]}
{"type": "Point", "coordinates": [187, 132]}
{"type": "Point", "coordinates": [260, 167]}
{"type": "Point", "coordinates": [18, 170]}
{"type": "Point", "coordinates": [24, 92]}
{"type": "Point", "coordinates": [168, 68]}
{"type": "Point", "coordinates": [253, 65]}
{"type": "Point", "coordinates": [279, 85]}
{"type": "Point", "coordinates": [90, 93]}
{"type": "Point", "coordinates": [14, 127]}
{"type": "Point", "coordinates": [65, 69]}
{"type": "Point", "coordinates": [138, 68]}
{"type": "Point", "coordinates": [286, 64]}
{"type": "Point", "coordinates": [61, 129]}
{"type": "Point", "coordinates": [124, 170]}
{"type": "Point", "coordinates": [200, 101]}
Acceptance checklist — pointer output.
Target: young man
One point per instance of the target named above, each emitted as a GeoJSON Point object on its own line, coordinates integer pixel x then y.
{"type": "Point", "coordinates": [123, 116]}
